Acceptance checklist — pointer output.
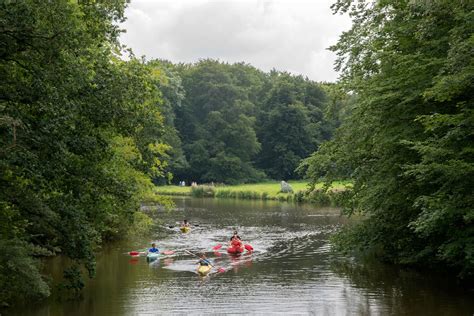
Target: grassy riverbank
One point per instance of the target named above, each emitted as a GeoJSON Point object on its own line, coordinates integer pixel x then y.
{"type": "Point", "coordinates": [262, 191]}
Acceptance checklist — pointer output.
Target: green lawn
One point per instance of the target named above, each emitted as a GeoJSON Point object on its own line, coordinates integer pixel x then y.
{"type": "Point", "coordinates": [272, 189]}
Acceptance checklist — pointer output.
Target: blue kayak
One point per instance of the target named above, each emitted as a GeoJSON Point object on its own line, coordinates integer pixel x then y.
{"type": "Point", "coordinates": [152, 255]}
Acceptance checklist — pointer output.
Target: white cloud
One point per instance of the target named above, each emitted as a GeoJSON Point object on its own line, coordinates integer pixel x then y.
{"type": "Point", "coordinates": [282, 34]}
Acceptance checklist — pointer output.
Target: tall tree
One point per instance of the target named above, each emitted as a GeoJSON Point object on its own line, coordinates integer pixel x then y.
{"type": "Point", "coordinates": [290, 124]}
{"type": "Point", "coordinates": [408, 143]}
{"type": "Point", "coordinates": [172, 92]}
{"type": "Point", "coordinates": [216, 121]}
{"type": "Point", "coordinates": [79, 137]}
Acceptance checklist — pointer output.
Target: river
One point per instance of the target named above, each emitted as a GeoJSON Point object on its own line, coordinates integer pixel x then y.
{"type": "Point", "coordinates": [292, 270]}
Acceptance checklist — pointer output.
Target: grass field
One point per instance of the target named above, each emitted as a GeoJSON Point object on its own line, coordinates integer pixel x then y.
{"type": "Point", "coordinates": [271, 190]}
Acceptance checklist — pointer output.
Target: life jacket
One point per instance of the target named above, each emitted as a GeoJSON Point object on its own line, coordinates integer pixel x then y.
{"type": "Point", "coordinates": [153, 250]}
{"type": "Point", "coordinates": [204, 262]}
{"type": "Point", "coordinates": [236, 243]}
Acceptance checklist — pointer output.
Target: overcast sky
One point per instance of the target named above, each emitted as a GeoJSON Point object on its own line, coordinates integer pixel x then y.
{"type": "Point", "coordinates": [290, 35]}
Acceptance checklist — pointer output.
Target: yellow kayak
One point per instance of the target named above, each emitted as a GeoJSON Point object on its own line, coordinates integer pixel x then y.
{"type": "Point", "coordinates": [185, 229]}
{"type": "Point", "coordinates": [203, 270]}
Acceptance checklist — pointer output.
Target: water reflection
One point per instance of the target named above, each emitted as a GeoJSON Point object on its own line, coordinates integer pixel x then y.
{"type": "Point", "coordinates": [406, 291]}
{"type": "Point", "coordinates": [291, 271]}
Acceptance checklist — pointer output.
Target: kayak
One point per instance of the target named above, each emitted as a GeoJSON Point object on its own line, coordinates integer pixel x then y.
{"type": "Point", "coordinates": [185, 229]}
{"type": "Point", "coordinates": [203, 270]}
{"type": "Point", "coordinates": [235, 250]}
{"type": "Point", "coordinates": [152, 255]}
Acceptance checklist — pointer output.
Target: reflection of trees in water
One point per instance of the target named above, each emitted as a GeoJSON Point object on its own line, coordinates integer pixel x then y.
{"type": "Point", "coordinates": [404, 291]}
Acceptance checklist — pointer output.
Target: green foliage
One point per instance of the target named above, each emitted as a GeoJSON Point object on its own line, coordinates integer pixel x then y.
{"type": "Point", "coordinates": [236, 124]}
{"type": "Point", "coordinates": [217, 122]}
{"type": "Point", "coordinates": [407, 141]}
{"type": "Point", "coordinates": [170, 84]}
{"type": "Point", "coordinates": [336, 195]}
{"type": "Point", "coordinates": [142, 224]}
{"type": "Point", "coordinates": [203, 191]}
{"type": "Point", "coordinates": [81, 136]}
{"type": "Point", "coordinates": [73, 281]}
{"type": "Point", "coordinates": [19, 276]}
{"type": "Point", "coordinates": [290, 125]}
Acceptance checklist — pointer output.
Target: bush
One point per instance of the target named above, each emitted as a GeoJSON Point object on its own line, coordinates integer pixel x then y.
{"type": "Point", "coordinates": [340, 198]}
{"type": "Point", "coordinates": [203, 191]}
{"type": "Point", "coordinates": [248, 195]}
{"type": "Point", "coordinates": [19, 274]}
{"type": "Point", "coordinates": [319, 197]}
{"type": "Point", "coordinates": [142, 224]}
{"type": "Point", "coordinates": [225, 194]}
{"type": "Point", "coordinates": [299, 196]}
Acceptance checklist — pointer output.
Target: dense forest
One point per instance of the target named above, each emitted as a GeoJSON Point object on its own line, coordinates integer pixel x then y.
{"type": "Point", "coordinates": [232, 123]}
{"type": "Point", "coordinates": [407, 143]}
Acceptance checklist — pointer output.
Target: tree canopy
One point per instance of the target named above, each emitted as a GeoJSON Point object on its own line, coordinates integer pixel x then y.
{"type": "Point", "coordinates": [239, 124]}
{"type": "Point", "coordinates": [80, 137]}
{"type": "Point", "coordinates": [407, 142]}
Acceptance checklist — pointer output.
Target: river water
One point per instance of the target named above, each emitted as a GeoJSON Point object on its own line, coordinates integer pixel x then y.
{"type": "Point", "coordinates": [291, 271]}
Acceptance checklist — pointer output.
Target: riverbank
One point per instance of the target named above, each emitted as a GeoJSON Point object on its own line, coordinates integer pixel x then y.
{"type": "Point", "coordinates": [263, 191]}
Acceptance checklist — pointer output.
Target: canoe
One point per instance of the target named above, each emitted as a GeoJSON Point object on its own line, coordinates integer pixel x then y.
{"type": "Point", "coordinates": [185, 229]}
{"type": "Point", "coordinates": [203, 270]}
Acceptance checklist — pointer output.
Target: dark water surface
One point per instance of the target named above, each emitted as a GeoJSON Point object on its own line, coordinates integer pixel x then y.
{"type": "Point", "coordinates": [292, 270]}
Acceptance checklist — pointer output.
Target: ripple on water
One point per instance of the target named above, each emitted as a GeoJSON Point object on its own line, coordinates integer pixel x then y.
{"type": "Point", "coordinates": [292, 270]}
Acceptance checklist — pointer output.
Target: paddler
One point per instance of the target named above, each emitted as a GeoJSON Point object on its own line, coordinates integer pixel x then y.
{"type": "Point", "coordinates": [236, 237]}
{"type": "Point", "coordinates": [236, 242]}
{"type": "Point", "coordinates": [203, 261]}
{"type": "Point", "coordinates": [185, 223]}
{"type": "Point", "coordinates": [153, 249]}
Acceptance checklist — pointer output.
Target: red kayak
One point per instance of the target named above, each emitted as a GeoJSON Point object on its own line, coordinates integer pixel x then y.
{"type": "Point", "coordinates": [237, 247]}
{"type": "Point", "coordinates": [235, 250]}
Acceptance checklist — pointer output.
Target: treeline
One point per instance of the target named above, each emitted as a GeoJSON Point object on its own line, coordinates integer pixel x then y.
{"type": "Point", "coordinates": [81, 137]}
{"type": "Point", "coordinates": [407, 143]}
{"type": "Point", "coordinates": [232, 123]}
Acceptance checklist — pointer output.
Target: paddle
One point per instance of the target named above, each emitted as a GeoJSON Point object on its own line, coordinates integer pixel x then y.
{"type": "Point", "coordinates": [217, 247]}
{"type": "Point", "coordinates": [218, 269]}
{"type": "Point", "coordinates": [137, 252]}
{"type": "Point", "coordinates": [246, 246]}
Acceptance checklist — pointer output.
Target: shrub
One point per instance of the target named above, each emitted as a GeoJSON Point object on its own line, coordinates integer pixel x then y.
{"type": "Point", "coordinates": [19, 274]}
{"type": "Point", "coordinates": [319, 197]}
{"type": "Point", "coordinates": [299, 196]}
{"type": "Point", "coordinates": [141, 225]}
{"type": "Point", "coordinates": [203, 191]}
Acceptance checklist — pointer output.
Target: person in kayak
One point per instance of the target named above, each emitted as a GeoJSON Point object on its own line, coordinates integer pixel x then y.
{"type": "Point", "coordinates": [153, 249]}
{"type": "Point", "coordinates": [185, 223]}
{"type": "Point", "coordinates": [203, 261]}
{"type": "Point", "coordinates": [235, 236]}
{"type": "Point", "coordinates": [204, 265]}
{"type": "Point", "coordinates": [235, 243]}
